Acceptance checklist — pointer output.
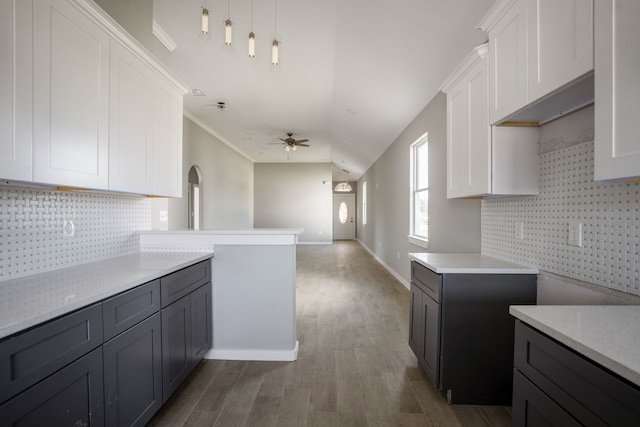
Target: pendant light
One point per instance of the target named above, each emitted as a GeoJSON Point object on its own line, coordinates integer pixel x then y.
{"type": "Point", "coordinates": [205, 20]}
{"type": "Point", "coordinates": [228, 25]}
{"type": "Point", "coordinates": [275, 45]}
{"type": "Point", "coordinates": [252, 37]}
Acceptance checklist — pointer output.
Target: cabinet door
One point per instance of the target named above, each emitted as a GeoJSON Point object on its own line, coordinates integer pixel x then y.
{"type": "Point", "coordinates": [533, 408]}
{"type": "Point", "coordinates": [508, 63]}
{"type": "Point", "coordinates": [16, 73]}
{"type": "Point", "coordinates": [201, 323]}
{"type": "Point", "coordinates": [416, 322]}
{"type": "Point", "coordinates": [431, 355]}
{"type": "Point", "coordinates": [71, 97]}
{"type": "Point", "coordinates": [130, 143]}
{"type": "Point", "coordinates": [70, 397]}
{"type": "Point", "coordinates": [176, 345]}
{"type": "Point", "coordinates": [469, 135]}
{"type": "Point", "coordinates": [167, 141]}
{"type": "Point", "coordinates": [617, 89]}
{"type": "Point", "coordinates": [133, 374]}
{"type": "Point", "coordinates": [560, 43]}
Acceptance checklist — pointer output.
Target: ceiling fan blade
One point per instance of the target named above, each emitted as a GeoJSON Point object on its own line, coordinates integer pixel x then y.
{"type": "Point", "coordinates": [301, 140]}
{"type": "Point", "coordinates": [283, 140]}
{"type": "Point", "coordinates": [302, 145]}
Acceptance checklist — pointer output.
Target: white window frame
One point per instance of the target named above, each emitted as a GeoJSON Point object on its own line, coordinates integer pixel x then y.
{"type": "Point", "coordinates": [364, 203]}
{"type": "Point", "coordinates": [422, 241]}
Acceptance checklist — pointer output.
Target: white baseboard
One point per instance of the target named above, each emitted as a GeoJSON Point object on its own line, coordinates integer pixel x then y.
{"type": "Point", "coordinates": [254, 355]}
{"type": "Point", "coordinates": [389, 269]}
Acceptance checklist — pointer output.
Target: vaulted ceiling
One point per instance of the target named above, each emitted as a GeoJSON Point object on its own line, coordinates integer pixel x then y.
{"type": "Point", "coordinates": [352, 75]}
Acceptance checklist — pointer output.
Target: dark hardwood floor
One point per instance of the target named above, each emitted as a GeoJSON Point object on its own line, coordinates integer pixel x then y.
{"type": "Point", "coordinates": [355, 367]}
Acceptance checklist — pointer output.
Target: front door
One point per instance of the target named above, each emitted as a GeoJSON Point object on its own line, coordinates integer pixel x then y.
{"type": "Point", "coordinates": [344, 217]}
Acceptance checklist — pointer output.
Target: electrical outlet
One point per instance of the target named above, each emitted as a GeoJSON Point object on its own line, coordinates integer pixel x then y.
{"type": "Point", "coordinates": [575, 233]}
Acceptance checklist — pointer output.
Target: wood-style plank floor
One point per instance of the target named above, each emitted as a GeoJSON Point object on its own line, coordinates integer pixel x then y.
{"type": "Point", "coordinates": [354, 368]}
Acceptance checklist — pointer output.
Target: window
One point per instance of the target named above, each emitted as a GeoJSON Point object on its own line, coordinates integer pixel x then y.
{"type": "Point", "coordinates": [364, 203]}
{"type": "Point", "coordinates": [419, 233]}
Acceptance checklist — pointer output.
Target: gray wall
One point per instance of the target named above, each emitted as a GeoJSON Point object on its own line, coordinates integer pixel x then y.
{"type": "Point", "coordinates": [293, 195]}
{"type": "Point", "coordinates": [227, 187]}
{"type": "Point", "coordinates": [454, 225]}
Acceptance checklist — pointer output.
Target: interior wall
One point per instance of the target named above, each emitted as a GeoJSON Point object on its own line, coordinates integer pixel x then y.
{"type": "Point", "coordinates": [454, 225]}
{"type": "Point", "coordinates": [294, 195]}
{"type": "Point", "coordinates": [609, 213]}
{"type": "Point", "coordinates": [227, 184]}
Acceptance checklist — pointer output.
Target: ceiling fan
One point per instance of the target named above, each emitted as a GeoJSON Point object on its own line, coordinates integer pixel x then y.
{"type": "Point", "coordinates": [290, 144]}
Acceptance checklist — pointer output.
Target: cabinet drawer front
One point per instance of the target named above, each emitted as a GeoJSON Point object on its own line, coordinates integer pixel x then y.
{"type": "Point", "coordinates": [29, 357]}
{"type": "Point", "coordinates": [70, 397]}
{"type": "Point", "coordinates": [593, 395]}
{"type": "Point", "coordinates": [531, 407]}
{"type": "Point", "coordinates": [176, 285]}
{"type": "Point", "coordinates": [125, 310]}
{"type": "Point", "coordinates": [427, 280]}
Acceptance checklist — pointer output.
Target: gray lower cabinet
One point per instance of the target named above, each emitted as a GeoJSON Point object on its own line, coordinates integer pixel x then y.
{"type": "Point", "coordinates": [113, 363]}
{"type": "Point", "coordinates": [555, 386]}
{"type": "Point", "coordinates": [70, 397]}
{"type": "Point", "coordinates": [133, 374]}
{"type": "Point", "coordinates": [462, 334]}
{"type": "Point", "coordinates": [186, 336]}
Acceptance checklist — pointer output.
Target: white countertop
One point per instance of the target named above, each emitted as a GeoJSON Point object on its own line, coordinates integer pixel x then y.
{"type": "Point", "coordinates": [469, 264]}
{"type": "Point", "coordinates": [248, 231]}
{"type": "Point", "coordinates": [203, 240]}
{"type": "Point", "coordinates": [30, 300]}
{"type": "Point", "coordinates": [608, 335]}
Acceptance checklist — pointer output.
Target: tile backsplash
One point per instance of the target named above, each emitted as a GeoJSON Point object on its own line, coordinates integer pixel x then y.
{"type": "Point", "coordinates": [609, 214]}
{"type": "Point", "coordinates": [43, 230]}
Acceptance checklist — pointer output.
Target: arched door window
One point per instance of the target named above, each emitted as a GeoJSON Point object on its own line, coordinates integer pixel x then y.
{"type": "Point", "coordinates": [195, 197]}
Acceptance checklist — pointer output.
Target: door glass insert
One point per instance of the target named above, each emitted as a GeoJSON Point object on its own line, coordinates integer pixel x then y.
{"type": "Point", "coordinates": [343, 213]}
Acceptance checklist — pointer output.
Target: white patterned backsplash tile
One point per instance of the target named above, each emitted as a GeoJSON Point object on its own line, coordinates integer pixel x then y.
{"type": "Point", "coordinates": [609, 214]}
{"type": "Point", "coordinates": [43, 230]}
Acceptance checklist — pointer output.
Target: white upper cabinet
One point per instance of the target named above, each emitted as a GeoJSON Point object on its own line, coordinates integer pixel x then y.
{"type": "Point", "coordinates": [145, 143]}
{"type": "Point", "coordinates": [15, 90]}
{"type": "Point", "coordinates": [484, 160]}
{"type": "Point", "coordinates": [71, 97]}
{"type": "Point", "coordinates": [130, 143]}
{"type": "Point", "coordinates": [539, 53]}
{"type": "Point", "coordinates": [468, 131]}
{"type": "Point", "coordinates": [617, 89]}
{"type": "Point", "coordinates": [166, 131]}
{"type": "Point", "coordinates": [508, 62]}
{"type": "Point", "coordinates": [559, 43]}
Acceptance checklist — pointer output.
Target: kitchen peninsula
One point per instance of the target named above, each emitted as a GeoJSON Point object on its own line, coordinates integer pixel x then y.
{"type": "Point", "coordinates": [254, 288]}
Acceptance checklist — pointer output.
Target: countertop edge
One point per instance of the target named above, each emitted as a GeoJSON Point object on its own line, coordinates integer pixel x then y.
{"type": "Point", "coordinates": [509, 268]}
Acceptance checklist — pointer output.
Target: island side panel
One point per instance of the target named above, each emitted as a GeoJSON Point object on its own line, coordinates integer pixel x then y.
{"type": "Point", "coordinates": [254, 302]}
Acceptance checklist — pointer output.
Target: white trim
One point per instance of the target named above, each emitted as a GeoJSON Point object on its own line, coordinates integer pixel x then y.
{"type": "Point", "coordinates": [119, 34]}
{"type": "Point", "coordinates": [255, 355]}
{"type": "Point", "coordinates": [492, 16]}
{"type": "Point", "coordinates": [389, 269]}
{"type": "Point", "coordinates": [163, 37]}
{"type": "Point", "coordinates": [418, 241]}
{"type": "Point", "coordinates": [461, 70]}
{"type": "Point", "coordinates": [215, 134]}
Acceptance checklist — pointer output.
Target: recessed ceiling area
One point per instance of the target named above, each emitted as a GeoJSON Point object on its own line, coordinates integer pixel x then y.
{"type": "Point", "coordinates": [352, 74]}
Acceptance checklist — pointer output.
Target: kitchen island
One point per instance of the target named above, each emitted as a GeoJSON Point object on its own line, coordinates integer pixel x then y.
{"type": "Point", "coordinates": [254, 288]}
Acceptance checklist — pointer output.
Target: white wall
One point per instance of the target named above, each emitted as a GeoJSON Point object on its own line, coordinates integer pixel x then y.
{"type": "Point", "coordinates": [227, 187]}
{"type": "Point", "coordinates": [609, 212]}
{"type": "Point", "coordinates": [293, 195]}
{"type": "Point", "coordinates": [454, 225]}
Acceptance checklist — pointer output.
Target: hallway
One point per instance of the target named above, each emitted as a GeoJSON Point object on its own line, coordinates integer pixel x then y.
{"type": "Point", "coordinates": [354, 368]}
